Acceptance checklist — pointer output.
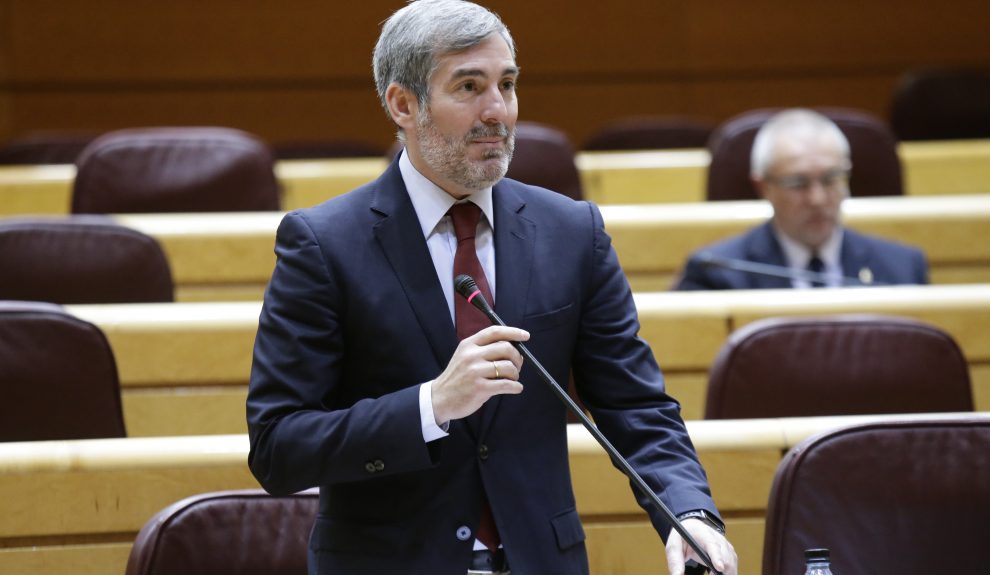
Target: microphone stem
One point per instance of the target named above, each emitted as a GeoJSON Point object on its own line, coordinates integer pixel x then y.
{"type": "Point", "coordinates": [613, 453]}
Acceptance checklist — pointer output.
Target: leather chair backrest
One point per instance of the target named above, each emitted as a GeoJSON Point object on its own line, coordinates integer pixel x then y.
{"type": "Point", "coordinates": [81, 259]}
{"type": "Point", "coordinates": [837, 365]}
{"type": "Point", "coordinates": [651, 133]}
{"type": "Point", "coordinates": [45, 148]}
{"type": "Point", "coordinates": [232, 532]}
{"type": "Point", "coordinates": [58, 377]}
{"type": "Point", "coordinates": [197, 169]}
{"type": "Point", "coordinates": [892, 497]}
{"type": "Point", "coordinates": [942, 105]}
{"type": "Point", "coordinates": [876, 167]}
{"type": "Point", "coordinates": [544, 157]}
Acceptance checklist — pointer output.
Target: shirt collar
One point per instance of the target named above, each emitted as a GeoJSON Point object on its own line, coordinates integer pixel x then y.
{"type": "Point", "coordinates": [797, 255]}
{"type": "Point", "coordinates": [431, 202]}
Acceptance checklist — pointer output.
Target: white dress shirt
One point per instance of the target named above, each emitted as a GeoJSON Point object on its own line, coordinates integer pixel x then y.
{"type": "Point", "coordinates": [798, 256]}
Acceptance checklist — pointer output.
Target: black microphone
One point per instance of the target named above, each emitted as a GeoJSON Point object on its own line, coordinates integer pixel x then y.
{"type": "Point", "coordinates": [708, 259]}
{"type": "Point", "coordinates": [467, 288]}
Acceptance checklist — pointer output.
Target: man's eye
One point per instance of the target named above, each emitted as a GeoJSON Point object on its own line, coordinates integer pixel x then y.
{"type": "Point", "coordinates": [467, 86]}
{"type": "Point", "coordinates": [509, 85]}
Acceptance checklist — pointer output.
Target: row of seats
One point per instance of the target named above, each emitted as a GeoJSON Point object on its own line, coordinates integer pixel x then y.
{"type": "Point", "coordinates": [863, 491]}
{"type": "Point", "coordinates": [208, 169]}
{"type": "Point", "coordinates": [777, 367]}
{"type": "Point", "coordinates": [935, 104]}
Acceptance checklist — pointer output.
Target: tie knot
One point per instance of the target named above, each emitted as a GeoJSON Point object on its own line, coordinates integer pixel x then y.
{"type": "Point", "coordinates": [465, 216]}
{"type": "Point", "coordinates": [816, 264]}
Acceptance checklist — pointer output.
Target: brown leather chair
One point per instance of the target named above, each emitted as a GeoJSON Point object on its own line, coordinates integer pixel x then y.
{"type": "Point", "coordinates": [81, 259]}
{"type": "Point", "coordinates": [544, 157]}
{"type": "Point", "coordinates": [876, 166]}
{"type": "Point", "coordinates": [837, 365]}
{"type": "Point", "coordinates": [198, 169]}
{"type": "Point", "coordinates": [651, 133]}
{"type": "Point", "coordinates": [57, 375]}
{"type": "Point", "coordinates": [942, 105]}
{"type": "Point", "coordinates": [231, 532]}
{"type": "Point", "coordinates": [45, 148]}
{"type": "Point", "coordinates": [892, 497]}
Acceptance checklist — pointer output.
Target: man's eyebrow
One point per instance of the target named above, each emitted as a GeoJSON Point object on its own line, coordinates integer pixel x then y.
{"type": "Point", "coordinates": [471, 72]}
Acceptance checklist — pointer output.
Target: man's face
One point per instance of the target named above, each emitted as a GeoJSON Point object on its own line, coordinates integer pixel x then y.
{"type": "Point", "coordinates": [464, 140]}
{"type": "Point", "coordinates": [806, 183]}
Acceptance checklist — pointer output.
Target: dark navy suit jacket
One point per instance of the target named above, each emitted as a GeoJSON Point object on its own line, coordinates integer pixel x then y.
{"type": "Point", "coordinates": [354, 319]}
{"type": "Point", "coordinates": [888, 262]}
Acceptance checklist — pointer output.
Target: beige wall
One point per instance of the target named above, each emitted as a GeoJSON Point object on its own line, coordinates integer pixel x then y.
{"type": "Point", "coordinates": [301, 70]}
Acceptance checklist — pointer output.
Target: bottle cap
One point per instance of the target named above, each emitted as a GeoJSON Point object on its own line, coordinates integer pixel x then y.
{"type": "Point", "coordinates": [816, 555]}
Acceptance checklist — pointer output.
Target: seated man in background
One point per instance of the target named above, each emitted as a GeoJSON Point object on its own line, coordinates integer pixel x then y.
{"type": "Point", "coordinates": [800, 163]}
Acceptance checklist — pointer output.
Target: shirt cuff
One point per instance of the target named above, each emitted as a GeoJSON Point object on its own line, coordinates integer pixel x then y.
{"type": "Point", "coordinates": [431, 431]}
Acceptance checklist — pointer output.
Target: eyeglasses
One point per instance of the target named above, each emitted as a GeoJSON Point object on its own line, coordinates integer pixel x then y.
{"type": "Point", "coordinates": [832, 181]}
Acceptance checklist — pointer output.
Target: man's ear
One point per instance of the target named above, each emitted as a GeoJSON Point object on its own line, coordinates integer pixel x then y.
{"type": "Point", "coordinates": [402, 106]}
{"type": "Point", "coordinates": [760, 185]}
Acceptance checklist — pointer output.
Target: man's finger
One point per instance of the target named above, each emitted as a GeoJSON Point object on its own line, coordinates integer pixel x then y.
{"type": "Point", "coordinates": [675, 554]}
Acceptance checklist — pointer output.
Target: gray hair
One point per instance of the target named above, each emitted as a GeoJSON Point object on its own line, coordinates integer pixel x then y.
{"type": "Point", "coordinates": [416, 36]}
{"type": "Point", "coordinates": [796, 120]}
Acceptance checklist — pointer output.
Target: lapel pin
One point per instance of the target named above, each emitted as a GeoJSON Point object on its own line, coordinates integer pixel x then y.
{"type": "Point", "coordinates": [866, 276]}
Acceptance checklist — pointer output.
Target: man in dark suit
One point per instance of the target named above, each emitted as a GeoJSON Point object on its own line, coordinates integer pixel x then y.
{"type": "Point", "coordinates": [435, 455]}
{"type": "Point", "coordinates": [800, 163]}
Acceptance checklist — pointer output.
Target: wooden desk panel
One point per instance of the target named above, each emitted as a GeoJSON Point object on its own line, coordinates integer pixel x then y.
{"type": "Point", "coordinates": [230, 256]}
{"type": "Point", "coordinates": [79, 504]}
{"type": "Point", "coordinates": [184, 367]}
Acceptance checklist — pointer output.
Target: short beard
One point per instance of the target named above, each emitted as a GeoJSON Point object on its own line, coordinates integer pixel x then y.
{"type": "Point", "coordinates": [447, 156]}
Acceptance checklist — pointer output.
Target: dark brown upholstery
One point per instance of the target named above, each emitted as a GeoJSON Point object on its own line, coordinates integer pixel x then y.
{"type": "Point", "coordinates": [837, 365]}
{"type": "Point", "coordinates": [651, 133]}
{"type": "Point", "coordinates": [45, 148]}
{"type": "Point", "coordinates": [876, 166]}
{"type": "Point", "coordinates": [81, 259]}
{"type": "Point", "coordinates": [545, 157]}
{"type": "Point", "coordinates": [175, 170]}
{"type": "Point", "coordinates": [232, 532]}
{"type": "Point", "coordinates": [58, 378]}
{"type": "Point", "coordinates": [895, 497]}
{"type": "Point", "coordinates": [942, 105]}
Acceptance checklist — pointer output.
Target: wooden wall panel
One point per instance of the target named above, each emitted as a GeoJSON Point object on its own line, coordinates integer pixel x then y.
{"type": "Point", "coordinates": [301, 70]}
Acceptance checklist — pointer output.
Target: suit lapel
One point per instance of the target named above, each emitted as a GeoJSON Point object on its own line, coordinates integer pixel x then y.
{"type": "Point", "coordinates": [401, 238]}
{"type": "Point", "coordinates": [515, 238]}
{"type": "Point", "coordinates": [766, 248]}
{"type": "Point", "coordinates": [855, 258]}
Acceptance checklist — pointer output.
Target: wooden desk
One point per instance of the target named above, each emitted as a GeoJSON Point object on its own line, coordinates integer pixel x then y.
{"type": "Point", "coordinates": [930, 168]}
{"type": "Point", "coordinates": [216, 257]}
{"type": "Point", "coordinates": [76, 506]}
{"type": "Point", "coordinates": [184, 367]}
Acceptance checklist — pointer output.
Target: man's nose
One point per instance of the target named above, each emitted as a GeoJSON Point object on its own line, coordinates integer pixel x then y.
{"type": "Point", "coordinates": [817, 191]}
{"type": "Point", "coordinates": [494, 109]}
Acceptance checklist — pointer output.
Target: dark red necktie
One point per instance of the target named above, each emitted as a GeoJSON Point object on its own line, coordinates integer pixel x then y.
{"type": "Point", "coordinates": [469, 320]}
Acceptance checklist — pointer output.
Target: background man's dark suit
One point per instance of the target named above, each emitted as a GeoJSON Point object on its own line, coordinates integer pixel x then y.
{"type": "Point", "coordinates": [888, 262]}
{"type": "Point", "coordinates": [354, 319]}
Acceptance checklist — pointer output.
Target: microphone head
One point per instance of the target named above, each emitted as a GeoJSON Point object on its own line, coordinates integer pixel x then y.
{"type": "Point", "coordinates": [465, 285]}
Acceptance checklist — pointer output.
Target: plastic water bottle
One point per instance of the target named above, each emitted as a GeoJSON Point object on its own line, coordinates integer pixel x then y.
{"type": "Point", "coordinates": [817, 562]}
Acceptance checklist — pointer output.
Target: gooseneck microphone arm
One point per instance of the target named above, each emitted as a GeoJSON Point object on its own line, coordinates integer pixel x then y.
{"type": "Point", "coordinates": [708, 259]}
{"type": "Point", "coordinates": [466, 287]}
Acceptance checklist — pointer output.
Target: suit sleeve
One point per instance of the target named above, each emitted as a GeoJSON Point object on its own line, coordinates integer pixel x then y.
{"type": "Point", "coordinates": [297, 440]}
{"type": "Point", "coordinates": [621, 384]}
